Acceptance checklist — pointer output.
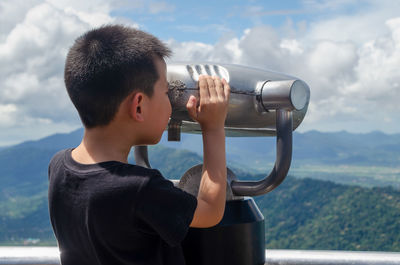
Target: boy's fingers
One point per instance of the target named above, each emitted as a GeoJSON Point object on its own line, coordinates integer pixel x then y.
{"type": "Point", "coordinates": [218, 87]}
{"type": "Point", "coordinates": [211, 87]}
{"type": "Point", "coordinates": [227, 88]}
{"type": "Point", "coordinates": [203, 87]}
{"type": "Point", "coordinates": [191, 107]}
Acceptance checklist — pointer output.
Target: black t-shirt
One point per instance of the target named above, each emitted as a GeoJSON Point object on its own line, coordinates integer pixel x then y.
{"type": "Point", "coordinates": [116, 213]}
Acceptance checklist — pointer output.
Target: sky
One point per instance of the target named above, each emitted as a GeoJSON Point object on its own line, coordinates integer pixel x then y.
{"type": "Point", "coordinates": [347, 51]}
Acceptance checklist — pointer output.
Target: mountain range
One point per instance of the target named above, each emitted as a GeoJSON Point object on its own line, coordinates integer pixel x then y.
{"type": "Point", "coordinates": [303, 212]}
{"type": "Point", "coordinates": [370, 159]}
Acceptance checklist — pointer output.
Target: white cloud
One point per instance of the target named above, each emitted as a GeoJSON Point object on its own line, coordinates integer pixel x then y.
{"type": "Point", "coordinates": [350, 80]}
{"type": "Point", "coordinates": [292, 45]}
{"type": "Point", "coordinates": [361, 26]}
{"type": "Point", "coordinates": [7, 115]}
{"type": "Point", "coordinates": [350, 62]}
{"type": "Point", "coordinates": [32, 56]}
{"type": "Point", "coordinates": [360, 80]}
{"type": "Point", "coordinates": [35, 36]}
{"type": "Point", "coordinates": [188, 51]}
{"type": "Point", "coordinates": [12, 12]}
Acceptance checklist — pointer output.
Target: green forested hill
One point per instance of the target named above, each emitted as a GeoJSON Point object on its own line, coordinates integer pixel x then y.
{"type": "Point", "coordinates": [299, 214]}
{"type": "Point", "coordinates": [25, 218]}
{"type": "Point", "coordinates": [312, 214]}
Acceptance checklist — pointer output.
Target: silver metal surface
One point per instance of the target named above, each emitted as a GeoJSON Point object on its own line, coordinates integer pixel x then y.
{"type": "Point", "coordinates": [286, 94]}
{"type": "Point", "coordinates": [282, 163]}
{"type": "Point", "coordinates": [255, 94]}
{"type": "Point", "coordinates": [50, 255]}
{"type": "Point", "coordinates": [317, 257]}
{"type": "Point", "coordinates": [29, 255]}
{"type": "Point", "coordinates": [141, 156]}
{"type": "Point", "coordinates": [190, 182]}
{"type": "Point", "coordinates": [261, 103]}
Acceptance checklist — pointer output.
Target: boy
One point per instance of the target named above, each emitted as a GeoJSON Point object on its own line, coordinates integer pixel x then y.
{"type": "Point", "coordinates": [102, 209]}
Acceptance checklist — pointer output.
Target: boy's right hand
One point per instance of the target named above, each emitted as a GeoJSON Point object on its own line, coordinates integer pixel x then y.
{"type": "Point", "coordinates": [211, 111]}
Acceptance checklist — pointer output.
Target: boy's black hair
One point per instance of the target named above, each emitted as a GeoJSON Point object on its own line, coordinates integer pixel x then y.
{"type": "Point", "coordinates": [105, 65]}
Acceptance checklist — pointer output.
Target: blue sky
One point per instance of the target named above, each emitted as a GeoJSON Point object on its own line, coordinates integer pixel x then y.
{"type": "Point", "coordinates": [347, 51]}
{"type": "Point", "coordinates": [207, 21]}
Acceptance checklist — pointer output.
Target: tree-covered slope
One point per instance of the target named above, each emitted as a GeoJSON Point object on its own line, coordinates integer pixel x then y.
{"type": "Point", "coordinates": [301, 213]}
{"type": "Point", "coordinates": [313, 214]}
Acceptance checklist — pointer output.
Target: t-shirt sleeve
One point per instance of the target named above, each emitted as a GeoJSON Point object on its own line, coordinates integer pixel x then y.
{"type": "Point", "coordinates": [166, 209]}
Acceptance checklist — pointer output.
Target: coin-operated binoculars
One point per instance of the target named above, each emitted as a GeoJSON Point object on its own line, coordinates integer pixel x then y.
{"type": "Point", "coordinates": [262, 103]}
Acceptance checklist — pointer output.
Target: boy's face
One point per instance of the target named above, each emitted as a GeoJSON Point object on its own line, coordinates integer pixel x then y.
{"type": "Point", "coordinates": [160, 106]}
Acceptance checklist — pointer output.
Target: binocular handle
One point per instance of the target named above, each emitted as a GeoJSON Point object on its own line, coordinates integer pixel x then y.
{"type": "Point", "coordinates": [284, 128]}
{"type": "Point", "coordinates": [142, 156]}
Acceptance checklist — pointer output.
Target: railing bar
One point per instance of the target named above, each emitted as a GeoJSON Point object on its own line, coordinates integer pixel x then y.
{"type": "Point", "coordinates": [50, 256]}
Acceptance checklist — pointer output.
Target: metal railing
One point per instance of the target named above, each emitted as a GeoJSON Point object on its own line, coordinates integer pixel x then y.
{"type": "Point", "coordinates": [29, 255]}
{"type": "Point", "coordinates": [50, 256]}
{"type": "Point", "coordinates": [329, 257]}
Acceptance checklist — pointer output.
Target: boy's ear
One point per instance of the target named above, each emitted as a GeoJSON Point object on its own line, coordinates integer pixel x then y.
{"type": "Point", "coordinates": [136, 109]}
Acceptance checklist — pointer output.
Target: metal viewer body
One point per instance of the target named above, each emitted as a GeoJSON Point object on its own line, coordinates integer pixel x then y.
{"type": "Point", "coordinates": [262, 103]}
{"type": "Point", "coordinates": [255, 96]}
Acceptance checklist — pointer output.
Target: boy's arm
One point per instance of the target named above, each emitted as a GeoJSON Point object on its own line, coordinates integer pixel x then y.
{"type": "Point", "coordinates": [211, 114]}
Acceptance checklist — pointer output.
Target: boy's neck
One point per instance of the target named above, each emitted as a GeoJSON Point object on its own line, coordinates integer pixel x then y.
{"type": "Point", "coordinates": [101, 145]}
